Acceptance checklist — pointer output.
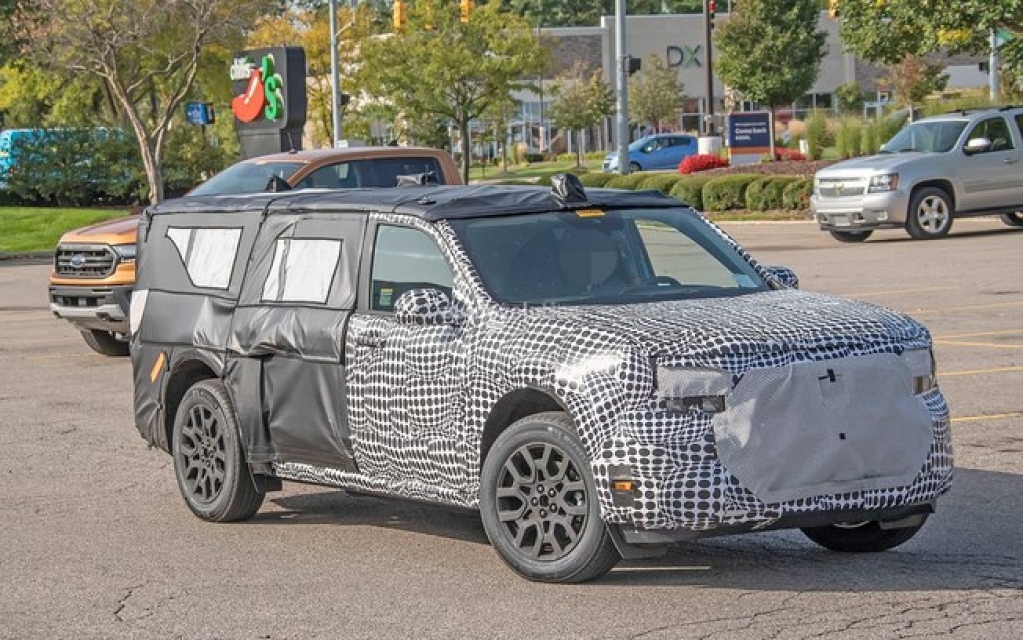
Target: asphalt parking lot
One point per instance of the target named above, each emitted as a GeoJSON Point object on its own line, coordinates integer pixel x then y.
{"type": "Point", "coordinates": [97, 542]}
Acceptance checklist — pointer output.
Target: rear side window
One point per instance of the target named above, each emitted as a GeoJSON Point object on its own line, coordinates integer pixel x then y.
{"type": "Point", "coordinates": [385, 171]}
{"type": "Point", "coordinates": [207, 253]}
{"type": "Point", "coordinates": [405, 259]}
{"type": "Point", "coordinates": [302, 270]}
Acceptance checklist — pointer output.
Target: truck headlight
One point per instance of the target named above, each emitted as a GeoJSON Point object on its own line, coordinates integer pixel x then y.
{"type": "Point", "coordinates": [884, 182]}
{"type": "Point", "coordinates": [126, 252]}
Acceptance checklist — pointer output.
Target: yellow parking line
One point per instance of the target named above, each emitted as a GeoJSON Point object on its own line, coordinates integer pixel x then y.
{"type": "Point", "coordinates": [1005, 332]}
{"type": "Point", "coordinates": [991, 416]}
{"type": "Point", "coordinates": [968, 308]}
{"type": "Point", "coordinates": [976, 372]}
{"type": "Point", "coordinates": [862, 294]}
{"type": "Point", "coordinates": [962, 343]}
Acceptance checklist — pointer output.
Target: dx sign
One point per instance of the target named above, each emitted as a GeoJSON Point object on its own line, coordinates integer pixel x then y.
{"type": "Point", "coordinates": [685, 56]}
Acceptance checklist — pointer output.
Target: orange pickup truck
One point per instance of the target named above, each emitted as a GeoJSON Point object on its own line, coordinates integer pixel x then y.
{"type": "Point", "coordinates": [94, 267]}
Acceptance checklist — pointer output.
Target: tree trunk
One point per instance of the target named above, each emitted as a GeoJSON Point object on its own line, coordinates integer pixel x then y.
{"type": "Point", "coordinates": [463, 130]}
{"type": "Point", "coordinates": [578, 148]}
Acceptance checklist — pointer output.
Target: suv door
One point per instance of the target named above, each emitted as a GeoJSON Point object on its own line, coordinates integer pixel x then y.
{"type": "Point", "coordinates": [406, 381]}
{"type": "Point", "coordinates": [991, 178]}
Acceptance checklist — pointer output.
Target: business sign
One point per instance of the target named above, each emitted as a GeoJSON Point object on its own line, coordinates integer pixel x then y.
{"type": "Point", "coordinates": [269, 104]}
{"type": "Point", "coordinates": [687, 57]}
{"type": "Point", "coordinates": [200, 113]}
{"type": "Point", "coordinates": [749, 132]}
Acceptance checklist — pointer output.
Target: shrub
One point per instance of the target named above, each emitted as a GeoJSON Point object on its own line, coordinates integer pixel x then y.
{"type": "Point", "coordinates": [661, 182]}
{"type": "Point", "coordinates": [849, 137]}
{"type": "Point", "coordinates": [544, 181]}
{"type": "Point", "coordinates": [726, 192]}
{"type": "Point", "coordinates": [594, 155]}
{"type": "Point", "coordinates": [784, 153]}
{"type": "Point", "coordinates": [701, 162]}
{"type": "Point", "coordinates": [596, 179]}
{"type": "Point", "coordinates": [816, 131]}
{"type": "Point", "coordinates": [871, 143]}
{"type": "Point", "coordinates": [888, 127]}
{"type": "Point", "coordinates": [566, 157]}
{"type": "Point", "coordinates": [690, 190]}
{"type": "Point", "coordinates": [796, 195]}
{"type": "Point", "coordinates": [626, 182]}
{"type": "Point", "coordinates": [765, 194]}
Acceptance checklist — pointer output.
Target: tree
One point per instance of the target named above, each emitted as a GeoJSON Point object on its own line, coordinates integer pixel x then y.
{"type": "Point", "coordinates": [914, 79]}
{"type": "Point", "coordinates": [439, 66]}
{"type": "Point", "coordinates": [146, 52]}
{"type": "Point", "coordinates": [581, 103]}
{"type": "Point", "coordinates": [573, 13]}
{"type": "Point", "coordinates": [770, 51]}
{"type": "Point", "coordinates": [655, 93]}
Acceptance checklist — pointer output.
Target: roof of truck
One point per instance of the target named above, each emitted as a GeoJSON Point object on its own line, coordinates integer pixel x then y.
{"type": "Point", "coordinates": [427, 202]}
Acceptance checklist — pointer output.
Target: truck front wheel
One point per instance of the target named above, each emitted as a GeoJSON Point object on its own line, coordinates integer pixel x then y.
{"type": "Point", "coordinates": [930, 214]}
{"type": "Point", "coordinates": [105, 343]}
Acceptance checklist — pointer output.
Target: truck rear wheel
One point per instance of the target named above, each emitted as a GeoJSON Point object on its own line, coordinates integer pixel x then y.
{"type": "Point", "coordinates": [105, 343]}
{"type": "Point", "coordinates": [1014, 219]}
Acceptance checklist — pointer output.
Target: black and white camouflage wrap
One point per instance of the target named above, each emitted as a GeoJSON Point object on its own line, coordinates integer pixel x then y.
{"type": "Point", "coordinates": [420, 396]}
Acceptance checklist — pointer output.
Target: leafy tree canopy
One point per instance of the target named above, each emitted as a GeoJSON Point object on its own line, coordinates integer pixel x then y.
{"type": "Point", "coordinates": [655, 93]}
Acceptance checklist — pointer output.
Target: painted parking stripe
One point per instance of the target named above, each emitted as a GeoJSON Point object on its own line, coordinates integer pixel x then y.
{"type": "Point", "coordinates": [991, 416]}
{"type": "Point", "coordinates": [863, 294]}
{"type": "Point", "coordinates": [968, 308]}
{"type": "Point", "coordinates": [976, 372]}
{"type": "Point", "coordinates": [990, 345]}
{"type": "Point", "coordinates": [1004, 332]}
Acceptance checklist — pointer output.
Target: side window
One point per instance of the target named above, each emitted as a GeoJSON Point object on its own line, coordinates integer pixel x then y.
{"type": "Point", "coordinates": [386, 170]}
{"type": "Point", "coordinates": [302, 270]}
{"type": "Point", "coordinates": [1019, 124]}
{"type": "Point", "coordinates": [994, 129]}
{"type": "Point", "coordinates": [208, 254]}
{"type": "Point", "coordinates": [405, 259]}
{"type": "Point", "coordinates": [344, 175]}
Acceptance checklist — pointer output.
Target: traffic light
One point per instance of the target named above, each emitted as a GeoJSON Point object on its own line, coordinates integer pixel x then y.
{"type": "Point", "coordinates": [711, 10]}
{"type": "Point", "coordinates": [400, 14]}
{"type": "Point", "coordinates": [833, 9]}
{"type": "Point", "coordinates": [467, 7]}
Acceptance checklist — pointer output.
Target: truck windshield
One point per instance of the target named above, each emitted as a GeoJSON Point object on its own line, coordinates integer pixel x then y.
{"type": "Point", "coordinates": [604, 257]}
{"type": "Point", "coordinates": [926, 136]}
{"type": "Point", "coordinates": [245, 177]}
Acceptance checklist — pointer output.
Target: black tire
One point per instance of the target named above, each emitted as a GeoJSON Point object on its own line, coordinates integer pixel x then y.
{"type": "Point", "coordinates": [105, 343]}
{"type": "Point", "coordinates": [1014, 219]}
{"type": "Point", "coordinates": [634, 167]}
{"type": "Point", "coordinates": [851, 236]}
{"type": "Point", "coordinates": [864, 537]}
{"type": "Point", "coordinates": [930, 214]}
{"type": "Point", "coordinates": [521, 515]}
{"type": "Point", "coordinates": [209, 464]}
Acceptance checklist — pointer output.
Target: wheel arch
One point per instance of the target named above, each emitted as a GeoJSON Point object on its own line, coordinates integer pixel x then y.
{"type": "Point", "coordinates": [188, 368]}
{"type": "Point", "coordinates": [939, 183]}
{"type": "Point", "coordinates": [514, 406]}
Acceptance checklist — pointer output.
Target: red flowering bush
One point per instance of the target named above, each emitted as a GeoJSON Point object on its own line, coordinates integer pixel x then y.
{"type": "Point", "coordinates": [783, 153]}
{"type": "Point", "coordinates": [701, 162]}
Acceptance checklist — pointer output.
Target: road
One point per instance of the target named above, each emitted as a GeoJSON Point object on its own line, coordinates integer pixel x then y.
{"type": "Point", "coordinates": [97, 542]}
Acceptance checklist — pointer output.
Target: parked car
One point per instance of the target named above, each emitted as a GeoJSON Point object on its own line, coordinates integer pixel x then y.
{"type": "Point", "coordinates": [934, 170]}
{"type": "Point", "coordinates": [659, 151]}
{"type": "Point", "coordinates": [94, 267]}
{"type": "Point", "coordinates": [600, 373]}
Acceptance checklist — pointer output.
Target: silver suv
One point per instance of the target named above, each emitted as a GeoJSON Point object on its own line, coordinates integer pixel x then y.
{"type": "Point", "coordinates": [965, 163]}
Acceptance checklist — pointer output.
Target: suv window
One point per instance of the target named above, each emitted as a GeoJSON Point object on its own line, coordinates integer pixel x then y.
{"type": "Point", "coordinates": [994, 129]}
{"type": "Point", "coordinates": [405, 259]}
{"type": "Point", "coordinates": [385, 171]}
{"type": "Point", "coordinates": [343, 175]}
{"type": "Point", "coordinates": [245, 177]}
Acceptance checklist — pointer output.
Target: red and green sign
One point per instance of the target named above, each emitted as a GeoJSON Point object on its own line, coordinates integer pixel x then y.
{"type": "Point", "coordinates": [263, 96]}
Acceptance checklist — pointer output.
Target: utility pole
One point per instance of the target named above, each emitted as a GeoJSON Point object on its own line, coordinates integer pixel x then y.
{"type": "Point", "coordinates": [335, 91]}
{"type": "Point", "coordinates": [709, 7]}
{"type": "Point", "coordinates": [621, 89]}
{"type": "Point", "coordinates": [992, 69]}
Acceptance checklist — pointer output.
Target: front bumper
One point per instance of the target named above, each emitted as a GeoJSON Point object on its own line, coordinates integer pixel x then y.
{"type": "Point", "coordinates": [92, 308]}
{"type": "Point", "coordinates": [860, 212]}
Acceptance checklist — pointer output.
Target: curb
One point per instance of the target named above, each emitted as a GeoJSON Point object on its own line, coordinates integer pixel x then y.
{"type": "Point", "coordinates": [30, 257]}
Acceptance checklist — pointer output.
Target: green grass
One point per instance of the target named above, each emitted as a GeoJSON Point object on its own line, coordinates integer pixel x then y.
{"type": "Point", "coordinates": [25, 229]}
{"type": "Point", "coordinates": [532, 170]}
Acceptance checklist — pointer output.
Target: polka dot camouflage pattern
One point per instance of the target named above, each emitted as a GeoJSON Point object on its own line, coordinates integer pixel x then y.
{"type": "Point", "coordinates": [420, 396]}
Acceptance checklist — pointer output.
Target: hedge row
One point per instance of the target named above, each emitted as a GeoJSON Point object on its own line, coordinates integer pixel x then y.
{"type": "Point", "coordinates": [711, 193]}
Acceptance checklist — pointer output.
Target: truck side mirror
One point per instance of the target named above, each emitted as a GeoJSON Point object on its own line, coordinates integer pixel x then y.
{"type": "Point", "coordinates": [783, 276]}
{"type": "Point", "coordinates": [977, 145]}
{"type": "Point", "coordinates": [426, 307]}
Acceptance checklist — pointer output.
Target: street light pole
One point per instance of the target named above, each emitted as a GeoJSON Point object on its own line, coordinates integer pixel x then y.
{"type": "Point", "coordinates": [621, 89]}
{"type": "Point", "coordinates": [543, 129]}
{"type": "Point", "coordinates": [708, 8]}
{"type": "Point", "coordinates": [335, 92]}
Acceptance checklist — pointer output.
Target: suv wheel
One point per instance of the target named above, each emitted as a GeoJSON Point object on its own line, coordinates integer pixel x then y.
{"type": "Point", "coordinates": [634, 167]}
{"type": "Point", "coordinates": [210, 466]}
{"type": "Point", "coordinates": [930, 214]}
{"type": "Point", "coordinates": [539, 505]}
{"type": "Point", "coordinates": [851, 236]}
{"type": "Point", "coordinates": [105, 343]}
{"type": "Point", "coordinates": [1014, 219]}
{"type": "Point", "coordinates": [862, 537]}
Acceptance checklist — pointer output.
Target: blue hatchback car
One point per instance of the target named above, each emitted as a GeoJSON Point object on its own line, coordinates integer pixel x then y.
{"type": "Point", "coordinates": [659, 151]}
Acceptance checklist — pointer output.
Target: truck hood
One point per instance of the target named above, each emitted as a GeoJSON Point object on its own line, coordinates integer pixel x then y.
{"type": "Point", "coordinates": [116, 231]}
{"type": "Point", "coordinates": [734, 334]}
{"type": "Point", "coordinates": [870, 165]}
